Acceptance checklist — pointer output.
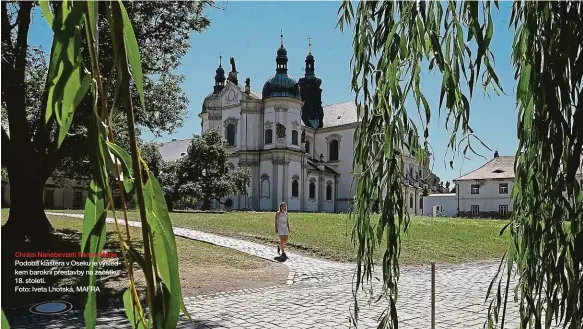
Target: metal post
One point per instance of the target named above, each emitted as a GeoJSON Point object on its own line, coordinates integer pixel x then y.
{"type": "Point", "coordinates": [432, 295]}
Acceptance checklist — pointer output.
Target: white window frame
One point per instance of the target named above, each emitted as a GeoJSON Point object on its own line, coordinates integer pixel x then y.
{"type": "Point", "coordinates": [503, 186]}
{"type": "Point", "coordinates": [475, 210]}
{"type": "Point", "coordinates": [475, 186]}
{"type": "Point", "coordinates": [503, 210]}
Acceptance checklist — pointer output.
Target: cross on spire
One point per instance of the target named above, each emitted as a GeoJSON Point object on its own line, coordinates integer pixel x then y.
{"type": "Point", "coordinates": [281, 38]}
{"type": "Point", "coordinates": [220, 60]}
{"type": "Point", "coordinates": [310, 45]}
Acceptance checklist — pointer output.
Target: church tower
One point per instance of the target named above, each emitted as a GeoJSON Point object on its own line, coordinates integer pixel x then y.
{"type": "Point", "coordinates": [219, 77]}
{"type": "Point", "coordinates": [280, 164]}
{"type": "Point", "coordinates": [311, 94]}
{"type": "Point", "coordinates": [211, 99]}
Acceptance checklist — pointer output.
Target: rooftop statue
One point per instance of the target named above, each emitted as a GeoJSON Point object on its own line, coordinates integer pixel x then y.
{"type": "Point", "coordinates": [233, 73]}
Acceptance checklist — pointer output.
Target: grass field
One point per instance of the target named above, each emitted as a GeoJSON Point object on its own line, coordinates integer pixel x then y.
{"type": "Point", "coordinates": [443, 240]}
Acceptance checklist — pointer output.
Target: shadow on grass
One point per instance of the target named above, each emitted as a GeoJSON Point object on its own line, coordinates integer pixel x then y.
{"type": "Point", "coordinates": [16, 303]}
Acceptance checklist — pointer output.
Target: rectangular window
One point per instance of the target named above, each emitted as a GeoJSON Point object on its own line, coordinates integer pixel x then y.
{"type": "Point", "coordinates": [503, 188]}
{"type": "Point", "coordinates": [475, 189]}
{"type": "Point", "coordinates": [503, 210]}
{"type": "Point", "coordinates": [49, 198]}
{"type": "Point", "coordinates": [78, 199]}
{"type": "Point", "coordinates": [475, 210]}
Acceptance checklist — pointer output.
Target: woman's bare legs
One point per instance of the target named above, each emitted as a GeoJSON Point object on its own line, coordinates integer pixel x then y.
{"type": "Point", "coordinates": [282, 243]}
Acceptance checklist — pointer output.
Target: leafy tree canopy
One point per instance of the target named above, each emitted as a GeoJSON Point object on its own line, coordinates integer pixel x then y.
{"type": "Point", "coordinates": [30, 149]}
{"type": "Point", "coordinates": [204, 173]}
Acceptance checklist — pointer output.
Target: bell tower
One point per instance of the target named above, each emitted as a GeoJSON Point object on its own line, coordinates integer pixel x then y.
{"type": "Point", "coordinates": [311, 93]}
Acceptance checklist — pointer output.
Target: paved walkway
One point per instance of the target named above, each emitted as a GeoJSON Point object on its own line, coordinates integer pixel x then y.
{"type": "Point", "coordinates": [318, 294]}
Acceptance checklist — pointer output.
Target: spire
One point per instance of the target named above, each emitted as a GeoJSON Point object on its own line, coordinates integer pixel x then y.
{"type": "Point", "coordinates": [219, 77]}
{"type": "Point", "coordinates": [311, 94]}
{"type": "Point", "coordinates": [310, 59]}
{"type": "Point", "coordinates": [281, 58]}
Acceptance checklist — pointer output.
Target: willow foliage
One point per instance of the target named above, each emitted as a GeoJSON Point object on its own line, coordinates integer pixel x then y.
{"type": "Point", "coordinates": [68, 82]}
{"type": "Point", "coordinates": [393, 43]}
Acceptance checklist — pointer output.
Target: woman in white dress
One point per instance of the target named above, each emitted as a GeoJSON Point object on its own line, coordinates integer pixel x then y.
{"type": "Point", "coordinates": [282, 229]}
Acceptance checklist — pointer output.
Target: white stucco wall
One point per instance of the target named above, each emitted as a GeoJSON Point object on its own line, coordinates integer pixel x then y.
{"type": "Point", "coordinates": [344, 165]}
{"type": "Point", "coordinates": [311, 204]}
{"type": "Point", "coordinates": [447, 201]}
{"type": "Point", "coordinates": [294, 203]}
{"type": "Point", "coordinates": [489, 199]}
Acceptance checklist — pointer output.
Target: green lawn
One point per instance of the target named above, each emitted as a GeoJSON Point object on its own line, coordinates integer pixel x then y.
{"type": "Point", "coordinates": [443, 240]}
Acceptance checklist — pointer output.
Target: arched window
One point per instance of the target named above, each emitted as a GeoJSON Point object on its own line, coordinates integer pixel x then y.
{"type": "Point", "coordinates": [411, 201]}
{"type": "Point", "coordinates": [265, 186]}
{"type": "Point", "coordinates": [295, 137]}
{"type": "Point", "coordinates": [312, 191]}
{"type": "Point", "coordinates": [268, 136]}
{"type": "Point", "coordinates": [231, 134]}
{"type": "Point", "coordinates": [295, 189]}
{"type": "Point", "coordinates": [329, 191]}
{"type": "Point", "coordinates": [307, 147]}
{"type": "Point", "coordinates": [333, 150]}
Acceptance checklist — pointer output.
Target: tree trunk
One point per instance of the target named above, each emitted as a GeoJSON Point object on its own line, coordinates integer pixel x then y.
{"type": "Point", "coordinates": [169, 203]}
{"type": "Point", "coordinates": [27, 220]}
{"type": "Point", "coordinates": [206, 204]}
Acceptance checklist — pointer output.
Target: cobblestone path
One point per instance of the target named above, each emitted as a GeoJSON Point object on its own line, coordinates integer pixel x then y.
{"type": "Point", "coordinates": [318, 294]}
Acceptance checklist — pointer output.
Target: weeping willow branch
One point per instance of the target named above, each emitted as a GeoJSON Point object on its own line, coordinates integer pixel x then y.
{"type": "Point", "coordinates": [395, 41]}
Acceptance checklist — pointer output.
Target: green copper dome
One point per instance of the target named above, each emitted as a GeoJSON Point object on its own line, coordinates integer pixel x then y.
{"type": "Point", "coordinates": [281, 84]}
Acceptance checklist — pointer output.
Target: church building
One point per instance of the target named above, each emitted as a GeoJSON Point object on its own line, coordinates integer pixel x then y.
{"type": "Point", "coordinates": [295, 149]}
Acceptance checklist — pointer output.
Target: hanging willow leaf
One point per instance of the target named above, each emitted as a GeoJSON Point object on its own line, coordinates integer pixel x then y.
{"type": "Point", "coordinates": [5, 324]}
{"type": "Point", "coordinates": [93, 240]}
{"type": "Point", "coordinates": [131, 310]}
{"type": "Point", "coordinates": [133, 54]}
{"type": "Point", "coordinates": [46, 10]}
{"type": "Point", "coordinates": [65, 88]}
{"type": "Point", "coordinates": [126, 165]}
{"type": "Point", "coordinates": [165, 251]}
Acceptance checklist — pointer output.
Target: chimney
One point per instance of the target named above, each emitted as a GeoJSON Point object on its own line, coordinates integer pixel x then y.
{"type": "Point", "coordinates": [174, 139]}
{"type": "Point", "coordinates": [496, 154]}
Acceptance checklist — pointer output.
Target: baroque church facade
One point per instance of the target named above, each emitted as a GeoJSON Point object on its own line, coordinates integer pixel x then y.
{"type": "Point", "coordinates": [296, 150]}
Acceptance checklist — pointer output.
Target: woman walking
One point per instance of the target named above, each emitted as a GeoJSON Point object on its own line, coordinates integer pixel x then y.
{"type": "Point", "coordinates": [282, 229]}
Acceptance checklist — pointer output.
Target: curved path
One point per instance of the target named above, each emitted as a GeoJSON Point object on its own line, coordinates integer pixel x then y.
{"type": "Point", "coordinates": [318, 294]}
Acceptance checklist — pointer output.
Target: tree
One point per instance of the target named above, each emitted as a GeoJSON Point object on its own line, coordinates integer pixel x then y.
{"type": "Point", "coordinates": [204, 174]}
{"type": "Point", "coordinates": [31, 149]}
{"type": "Point", "coordinates": [393, 43]}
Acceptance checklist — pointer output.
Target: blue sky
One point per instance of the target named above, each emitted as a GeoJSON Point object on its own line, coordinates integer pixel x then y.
{"type": "Point", "coordinates": [249, 32]}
